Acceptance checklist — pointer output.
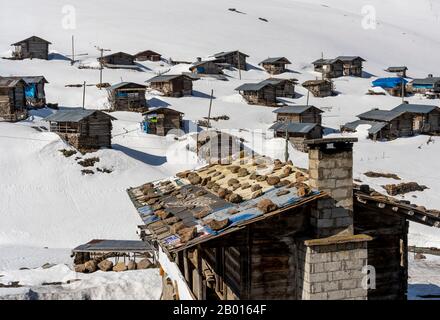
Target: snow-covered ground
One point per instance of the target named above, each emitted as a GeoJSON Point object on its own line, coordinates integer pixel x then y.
{"type": "Point", "coordinates": [47, 206]}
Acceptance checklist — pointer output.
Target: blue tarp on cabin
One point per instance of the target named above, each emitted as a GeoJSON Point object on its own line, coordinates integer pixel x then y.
{"type": "Point", "coordinates": [30, 91]}
{"type": "Point", "coordinates": [388, 83]}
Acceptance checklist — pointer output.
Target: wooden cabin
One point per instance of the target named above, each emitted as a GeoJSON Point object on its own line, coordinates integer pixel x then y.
{"type": "Point", "coordinates": [178, 85]}
{"type": "Point", "coordinates": [283, 87]}
{"type": "Point", "coordinates": [148, 55]}
{"type": "Point", "coordinates": [319, 88]}
{"type": "Point", "coordinates": [127, 96]}
{"type": "Point", "coordinates": [297, 132]}
{"type": "Point", "coordinates": [429, 84]}
{"type": "Point", "coordinates": [399, 71]}
{"type": "Point", "coordinates": [12, 99]}
{"type": "Point", "coordinates": [34, 90]}
{"type": "Point", "coordinates": [117, 59]}
{"type": "Point", "coordinates": [205, 67]}
{"type": "Point", "coordinates": [340, 66]}
{"type": "Point", "coordinates": [82, 128]}
{"type": "Point", "coordinates": [258, 93]}
{"type": "Point", "coordinates": [299, 114]}
{"type": "Point", "coordinates": [395, 87]}
{"type": "Point", "coordinates": [235, 58]}
{"type": "Point", "coordinates": [275, 65]}
{"type": "Point", "coordinates": [262, 229]}
{"type": "Point", "coordinates": [160, 121]}
{"type": "Point", "coordinates": [403, 121]}
{"type": "Point", "coordinates": [31, 48]}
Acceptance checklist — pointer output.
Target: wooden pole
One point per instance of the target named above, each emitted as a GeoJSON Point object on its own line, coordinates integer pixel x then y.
{"type": "Point", "coordinates": [239, 65]}
{"type": "Point", "coordinates": [73, 50]}
{"type": "Point", "coordinates": [84, 94]}
{"type": "Point", "coordinates": [403, 90]}
{"type": "Point", "coordinates": [100, 69]}
{"type": "Point", "coordinates": [210, 106]}
{"type": "Point", "coordinates": [286, 151]}
{"type": "Point", "coordinates": [308, 96]}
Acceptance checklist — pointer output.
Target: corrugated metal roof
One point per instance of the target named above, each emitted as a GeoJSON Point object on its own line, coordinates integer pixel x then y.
{"type": "Point", "coordinates": [98, 245]}
{"type": "Point", "coordinates": [276, 59]}
{"type": "Point", "coordinates": [123, 84]}
{"type": "Point", "coordinates": [426, 81]}
{"type": "Point", "coordinates": [73, 115]}
{"type": "Point", "coordinates": [380, 115]}
{"type": "Point", "coordinates": [252, 86]}
{"type": "Point", "coordinates": [293, 127]}
{"type": "Point", "coordinates": [296, 109]}
{"type": "Point", "coordinates": [415, 108]}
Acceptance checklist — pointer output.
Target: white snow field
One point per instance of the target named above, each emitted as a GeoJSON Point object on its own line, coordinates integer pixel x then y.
{"type": "Point", "coordinates": [48, 207]}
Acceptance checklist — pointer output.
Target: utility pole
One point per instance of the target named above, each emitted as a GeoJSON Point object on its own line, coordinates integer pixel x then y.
{"type": "Point", "coordinates": [73, 50]}
{"type": "Point", "coordinates": [308, 96]}
{"type": "Point", "coordinates": [286, 151]}
{"type": "Point", "coordinates": [84, 95]}
{"type": "Point", "coordinates": [403, 90]}
{"type": "Point", "coordinates": [210, 106]}
{"type": "Point", "coordinates": [239, 65]}
{"type": "Point", "coordinates": [101, 64]}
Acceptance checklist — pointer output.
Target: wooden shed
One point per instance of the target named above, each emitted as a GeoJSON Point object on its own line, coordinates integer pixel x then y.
{"type": "Point", "coordinates": [148, 55]}
{"type": "Point", "coordinates": [34, 90]}
{"type": "Point", "coordinates": [178, 85]}
{"type": "Point", "coordinates": [283, 87]}
{"type": "Point", "coordinates": [352, 65]}
{"type": "Point", "coordinates": [275, 65]}
{"type": "Point", "coordinates": [429, 84]}
{"type": "Point", "coordinates": [399, 71]}
{"type": "Point", "coordinates": [235, 58]}
{"type": "Point", "coordinates": [300, 114]}
{"type": "Point", "coordinates": [82, 128]}
{"type": "Point", "coordinates": [117, 59]}
{"type": "Point", "coordinates": [236, 232]}
{"type": "Point", "coordinates": [127, 96]}
{"type": "Point", "coordinates": [205, 67]}
{"type": "Point", "coordinates": [319, 88]}
{"type": "Point", "coordinates": [160, 121]}
{"type": "Point", "coordinates": [258, 93]}
{"type": "Point", "coordinates": [297, 132]}
{"type": "Point", "coordinates": [340, 66]}
{"type": "Point", "coordinates": [12, 99]}
{"type": "Point", "coordinates": [31, 48]}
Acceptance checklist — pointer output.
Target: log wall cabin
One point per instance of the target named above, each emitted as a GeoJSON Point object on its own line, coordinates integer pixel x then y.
{"type": "Point", "coordinates": [81, 128]}
{"type": "Point", "coordinates": [34, 90]}
{"type": "Point", "coordinates": [117, 59]}
{"type": "Point", "coordinates": [31, 48]}
{"type": "Point", "coordinates": [340, 66]}
{"type": "Point", "coordinates": [148, 55]}
{"type": "Point", "coordinates": [172, 85]}
{"type": "Point", "coordinates": [258, 93]}
{"type": "Point", "coordinates": [12, 99]}
{"type": "Point", "coordinates": [236, 59]}
{"type": "Point", "coordinates": [160, 121]}
{"type": "Point", "coordinates": [299, 114]}
{"type": "Point", "coordinates": [236, 232]}
{"type": "Point", "coordinates": [319, 88]}
{"type": "Point", "coordinates": [127, 96]}
{"type": "Point", "coordinates": [205, 67]}
{"type": "Point", "coordinates": [275, 65]}
{"type": "Point", "coordinates": [283, 87]}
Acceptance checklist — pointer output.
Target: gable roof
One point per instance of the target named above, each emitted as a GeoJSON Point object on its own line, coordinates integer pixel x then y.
{"type": "Point", "coordinates": [396, 69]}
{"type": "Point", "coordinates": [380, 115]}
{"type": "Point", "coordinates": [252, 86]}
{"type": "Point", "coordinates": [277, 81]}
{"type": "Point", "coordinates": [147, 52]}
{"type": "Point", "coordinates": [296, 109]}
{"type": "Point", "coordinates": [326, 61]}
{"type": "Point", "coordinates": [315, 82]}
{"type": "Point", "coordinates": [415, 108]}
{"type": "Point", "coordinates": [116, 54]}
{"type": "Point", "coordinates": [159, 109]}
{"type": "Point", "coordinates": [276, 59]}
{"type": "Point", "coordinates": [426, 81]}
{"type": "Point", "coordinates": [124, 84]}
{"type": "Point", "coordinates": [349, 58]}
{"type": "Point", "coordinates": [293, 127]}
{"type": "Point", "coordinates": [11, 82]}
{"type": "Point", "coordinates": [73, 115]}
{"type": "Point", "coordinates": [30, 38]}
{"type": "Point", "coordinates": [376, 126]}
{"type": "Point", "coordinates": [222, 54]}
{"type": "Point", "coordinates": [167, 77]}
{"type": "Point", "coordinates": [200, 63]}
{"type": "Point", "coordinates": [30, 79]}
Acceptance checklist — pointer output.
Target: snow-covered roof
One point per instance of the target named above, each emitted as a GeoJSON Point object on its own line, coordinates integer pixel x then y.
{"type": "Point", "coordinates": [293, 127]}
{"type": "Point", "coordinates": [296, 109]}
{"type": "Point", "coordinates": [376, 126]}
{"type": "Point", "coordinates": [73, 115]}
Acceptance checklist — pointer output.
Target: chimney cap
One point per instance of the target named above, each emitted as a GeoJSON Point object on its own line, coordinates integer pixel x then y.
{"type": "Point", "coordinates": [331, 144]}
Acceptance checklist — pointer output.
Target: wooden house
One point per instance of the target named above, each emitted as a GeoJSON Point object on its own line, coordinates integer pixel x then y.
{"type": "Point", "coordinates": [34, 90]}
{"type": "Point", "coordinates": [396, 87]}
{"type": "Point", "coordinates": [82, 128]}
{"type": "Point", "coordinates": [205, 67]}
{"type": "Point", "coordinates": [177, 85]}
{"type": "Point", "coordinates": [258, 93]}
{"type": "Point", "coordinates": [31, 48]}
{"type": "Point", "coordinates": [235, 58]}
{"type": "Point", "coordinates": [429, 84]}
{"type": "Point", "coordinates": [399, 71]}
{"type": "Point", "coordinates": [403, 121]}
{"type": "Point", "coordinates": [117, 59]}
{"type": "Point", "coordinates": [340, 66]}
{"type": "Point", "coordinates": [160, 121]}
{"type": "Point", "coordinates": [12, 99]}
{"type": "Point", "coordinates": [275, 65]}
{"type": "Point", "coordinates": [299, 114]}
{"type": "Point", "coordinates": [262, 229]}
{"type": "Point", "coordinates": [127, 96]}
{"type": "Point", "coordinates": [319, 88]}
{"type": "Point", "coordinates": [297, 132]}
{"type": "Point", "coordinates": [283, 87]}
{"type": "Point", "coordinates": [148, 55]}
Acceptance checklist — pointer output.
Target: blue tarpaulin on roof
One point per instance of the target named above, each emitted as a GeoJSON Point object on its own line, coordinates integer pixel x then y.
{"type": "Point", "coordinates": [388, 83]}
{"type": "Point", "coordinates": [30, 91]}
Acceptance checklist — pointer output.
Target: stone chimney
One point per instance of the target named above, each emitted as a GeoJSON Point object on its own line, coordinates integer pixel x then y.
{"type": "Point", "coordinates": [331, 171]}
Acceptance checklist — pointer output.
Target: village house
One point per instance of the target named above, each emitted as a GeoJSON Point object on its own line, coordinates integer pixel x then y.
{"type": "Point", "coordinates": [82, 128]}
{"type": "Point", "coordinates": [429, 84]}
{"type": "Point", "coordinates": [34, 90]}
{"type": "Point", "coordinates": [340, 66]}
{"type": "Point", "coordinates": [205, 67]}
{"type": "Point", "coordinates": [127, 96]}
{"type": "Point", "coordinates": [275, 65]}
{"type": "Point", "coordinates": [319, 88]}
{"type": "Point", "coordinates": [12, 99]}
{"type": "Point", "coordinates": [402, 121]}
{"type": "Point", "coordinates": [399, 71]}
{"type": "Point", "coordinates": [31, 48]}
{"type": "Point", "coordinates": [297, 133]}
{"type": "Point", "coordinates": [266, 92]}
{"type": "Point", "coordinates": [236, 59]}
{"type": "Point", "coordinates": [299, 113]}
{"type": "Point", "coordinates": [260, 229]}
{"type": "Point", "coordinates": [116, 60]}
{"type": "Point", "coordinates": [161, 120]}
{"type": "Point", "coordinates": [148, 55]}
{"type": "Point", "coordinates": [396, 87]}
{"type": "Point", "coordinates": [177, 85]}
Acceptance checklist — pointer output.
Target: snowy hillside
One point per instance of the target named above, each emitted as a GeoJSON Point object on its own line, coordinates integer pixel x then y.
{"type": "Point", "coordinates": [47, 206]}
